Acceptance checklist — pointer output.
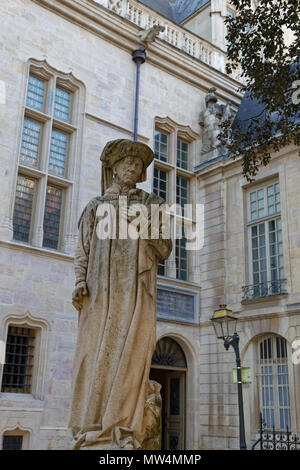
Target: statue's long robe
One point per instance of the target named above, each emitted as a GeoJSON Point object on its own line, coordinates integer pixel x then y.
{"type": "Point", "coordinates": [116, 330]}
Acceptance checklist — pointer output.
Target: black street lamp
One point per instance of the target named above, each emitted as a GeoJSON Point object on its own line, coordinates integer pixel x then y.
{"type": "Point", "coordinates": [224, 323]}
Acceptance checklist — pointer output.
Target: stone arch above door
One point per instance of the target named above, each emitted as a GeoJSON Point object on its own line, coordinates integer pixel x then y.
{"type": "Point", "coordinates": [168, 353]}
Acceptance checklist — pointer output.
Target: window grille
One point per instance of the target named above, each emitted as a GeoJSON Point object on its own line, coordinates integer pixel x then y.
{"type": "Point", "coordinates": [17, 373]}
{"type": "Point", "coordinates": [11, 442]}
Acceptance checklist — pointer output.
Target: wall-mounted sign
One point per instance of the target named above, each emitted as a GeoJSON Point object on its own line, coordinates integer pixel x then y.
{"type": "Point", "coordinates": [176, 305]}
{"type": "Point", "coordinates": [246, 375]}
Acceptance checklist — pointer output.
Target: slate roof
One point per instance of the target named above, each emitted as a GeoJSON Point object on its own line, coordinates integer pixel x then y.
{"type": "Point", "coordinates": [175, 10]}
{"type": "Point", "coordinates": [249, 109]}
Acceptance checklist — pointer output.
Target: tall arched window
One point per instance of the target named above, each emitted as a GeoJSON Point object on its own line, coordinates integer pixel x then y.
{"type": "Point", "coordinates": [274, 383]}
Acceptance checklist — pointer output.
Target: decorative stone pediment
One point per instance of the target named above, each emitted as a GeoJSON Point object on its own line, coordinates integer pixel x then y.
{"type": "Point", "coordinates": [168, 125]}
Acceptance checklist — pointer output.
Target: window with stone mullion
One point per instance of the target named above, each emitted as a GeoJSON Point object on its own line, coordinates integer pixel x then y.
{"type": "Point", "coordinates": [50, 157]}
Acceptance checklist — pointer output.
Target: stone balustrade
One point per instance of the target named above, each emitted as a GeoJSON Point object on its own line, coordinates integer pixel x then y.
{"type": "Point", "coordinates": [174, 34]}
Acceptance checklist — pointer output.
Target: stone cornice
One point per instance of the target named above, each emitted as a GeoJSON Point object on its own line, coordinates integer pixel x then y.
{"type": "Point", "coordinates": [124, 34]}
{"type": "Point", "coordinates": [229, 167]}
{"type": "Point", "coordinates": [244, 317]}
{"type": "Point", "coordinates": [106, 123]}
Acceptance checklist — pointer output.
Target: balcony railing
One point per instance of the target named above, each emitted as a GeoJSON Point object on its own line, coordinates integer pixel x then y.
{"type": "Point", "coordinates": [173, 34]}
{"type": "Point", "coordinates": [264, 289]}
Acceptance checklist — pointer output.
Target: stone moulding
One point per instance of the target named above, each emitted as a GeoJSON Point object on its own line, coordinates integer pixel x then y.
{"type": "Point", "coordinates": [124, 34]}
{"type": "Point", "coordinates": [167, 124]}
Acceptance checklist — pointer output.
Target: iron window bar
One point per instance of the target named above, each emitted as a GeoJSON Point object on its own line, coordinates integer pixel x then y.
{"type": "Point", "coordinates": [18, 365]}
{"type": "Point", "coordinates": [12, 442]}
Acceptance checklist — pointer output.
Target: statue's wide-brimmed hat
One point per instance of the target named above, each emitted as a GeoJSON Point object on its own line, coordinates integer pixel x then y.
{"type": "Point", "coordinates": [116, 150]}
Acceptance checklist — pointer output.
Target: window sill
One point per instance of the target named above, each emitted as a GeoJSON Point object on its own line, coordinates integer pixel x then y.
{"type": "Point", "coordinates": [20, 401]}
{"type": "Point", "coordinates": [265, 299]}
{"type": "Point", "coordinates": [37, 250]}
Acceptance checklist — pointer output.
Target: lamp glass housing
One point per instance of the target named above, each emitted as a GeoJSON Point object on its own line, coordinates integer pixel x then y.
{"type": "Point", "coordinates": [224, 323]}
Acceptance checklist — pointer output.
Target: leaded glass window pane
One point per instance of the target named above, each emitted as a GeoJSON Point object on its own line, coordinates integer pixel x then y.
{"type": "Point", "coordinates": [17, 372]}
{"type": "Point", "coordinates": [30, 143]}
{"type": "Point", "coordinates": [35, 93]}
{"type": "Point", "coordinates": [58, 153]}
{"type": "Point", "coordinates": [181, 258]}
{"type": "Point", "coordinates": [52, 217]}
{"type": "Point", "coordinates": [182, 154]}
{"type": "Point", "coordinates": [23, 208]}
{"type": "Point", "coordinates": [161, 146]}
{"type": "Point", "coordinates": [62, 104]}
{"type": "Point", "coordinates": [160, 186]}
{"type": "Point", "coordinates": [182, 189]}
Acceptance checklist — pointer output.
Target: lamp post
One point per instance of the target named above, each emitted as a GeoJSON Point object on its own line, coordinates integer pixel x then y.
{"type": "Point", "coordinates": [224, 323]}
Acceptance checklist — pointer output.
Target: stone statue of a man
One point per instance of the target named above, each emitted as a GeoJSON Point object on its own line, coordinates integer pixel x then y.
{"type": "Point", "coordinates": [211, 119]}
{"type": "Point", "coordinates": [115, 295]}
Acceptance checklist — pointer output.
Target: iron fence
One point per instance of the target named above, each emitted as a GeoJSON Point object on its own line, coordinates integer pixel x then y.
{"type": "Point", "coordinates": [276, 440]}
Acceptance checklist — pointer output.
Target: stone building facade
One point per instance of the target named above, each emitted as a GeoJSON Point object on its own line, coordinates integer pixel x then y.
{"type": "Point", "coordinates": [68, 87]}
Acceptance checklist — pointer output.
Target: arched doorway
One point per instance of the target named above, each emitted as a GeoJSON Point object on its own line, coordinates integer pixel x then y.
{"type": "Point", "coordinates": [169, 368]}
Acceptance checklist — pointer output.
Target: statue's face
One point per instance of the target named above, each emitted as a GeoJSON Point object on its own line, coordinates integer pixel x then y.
{"type": "Point", "coordinates": [129, 170]}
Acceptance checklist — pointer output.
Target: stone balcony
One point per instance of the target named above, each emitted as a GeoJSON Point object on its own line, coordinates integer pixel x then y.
{"type": "Point", "coordinates": [174, 34]}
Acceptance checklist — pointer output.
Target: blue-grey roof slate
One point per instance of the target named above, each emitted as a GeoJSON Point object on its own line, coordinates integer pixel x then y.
{"type": "Point", "coordinates": [175, 10]}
